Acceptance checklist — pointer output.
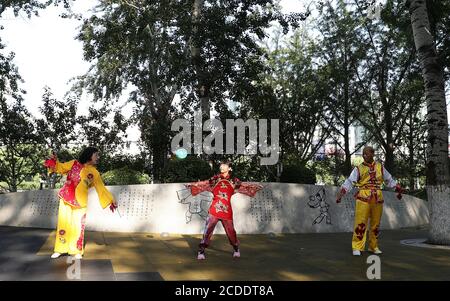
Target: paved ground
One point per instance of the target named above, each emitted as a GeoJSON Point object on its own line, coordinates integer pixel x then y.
{"type": "Point", "coordinates": [24, 255]}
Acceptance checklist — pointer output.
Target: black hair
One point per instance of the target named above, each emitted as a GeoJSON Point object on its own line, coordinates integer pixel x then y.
{"type": "Point", "coordinates": [86, 154]}
{"type": "Point", "coordinates": [227, 162]}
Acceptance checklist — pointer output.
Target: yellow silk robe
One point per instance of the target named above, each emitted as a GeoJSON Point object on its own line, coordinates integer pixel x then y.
{"type": "Point", "coordinates": [73, 205]}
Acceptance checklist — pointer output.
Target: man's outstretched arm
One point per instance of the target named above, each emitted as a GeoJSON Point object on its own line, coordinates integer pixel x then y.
{"type": "Point", "coordinates": [390, 182]}
{"type": "Point", "coordinates": [348, 184]}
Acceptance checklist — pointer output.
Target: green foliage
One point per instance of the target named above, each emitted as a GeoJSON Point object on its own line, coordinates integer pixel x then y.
{"type": "Point", "coordinates": [104, 128]}
{"type": "Point", "coordinates": [330, 170]}
{"type": "Point", "coordinates": [439, 17]}
{"type": "Point", "coordinates": [117, 161]}
{"type": "Point", "coordinates": [20, 148]}
{"type": "Point", "coordinates": [18, 163]}
{"type": "Point", "coordinates": [291, 90]}
{"type": "Point", "coordinates": [298, 174]}
{"type": "Point", "coordinates": [29, 185]}
{"type": "Point", "coordinates": [125, 176]}
{"type": "Point", "coordinates": [30, 7]}
{"type": "Point", "coordinates": [160, 49]}
{"type": "Point", "coordinates": [57, 127]}
{"type": "Point", "coordinates": [190, 169]}
{"type": "Point", "coordinates": [248, 169]}
{"type": "Point", "coordinates": [318, 86]}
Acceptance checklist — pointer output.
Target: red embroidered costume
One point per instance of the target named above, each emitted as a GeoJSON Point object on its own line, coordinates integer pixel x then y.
{"type": "Point", "coordinates": [222, 188]}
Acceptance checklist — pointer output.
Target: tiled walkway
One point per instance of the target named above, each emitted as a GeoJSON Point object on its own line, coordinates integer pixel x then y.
{"type": "Point", "coordinates": [25, 255]}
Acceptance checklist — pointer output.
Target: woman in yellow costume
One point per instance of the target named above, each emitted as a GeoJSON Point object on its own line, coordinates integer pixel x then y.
{"type": "Point", "coordinates": [81, 175]}
{"type": "Point", "coordinates": [368, 178]}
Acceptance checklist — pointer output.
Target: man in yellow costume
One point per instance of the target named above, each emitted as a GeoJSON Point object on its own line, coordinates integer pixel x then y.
{"type": "Point", "coordinates": [81, 175]}
{"type": "Point", "coordinates": [368, 178]}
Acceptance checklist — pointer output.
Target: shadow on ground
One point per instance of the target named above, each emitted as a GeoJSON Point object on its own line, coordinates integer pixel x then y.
{"type": "Point", "coordinates": [25, 252]}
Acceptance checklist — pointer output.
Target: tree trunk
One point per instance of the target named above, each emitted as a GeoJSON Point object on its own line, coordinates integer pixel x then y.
{"type": "Point", "coordinates": [386, 107]}
{"type": "Point", "coordinates": [389, 163]}
{"type": "Point", "coordinates": [13, 186]}
{"type": "Point", "coordinates": [13, 180]}
{"type": "Point", "coordinates": [160, 144]}
{"type": "Point", "coordinates": [336, 165]}
{"type": "Point", "coordinates": [438, 178]}
{"type": "Point", "coordinates": [202, 85]}
{"type": "Point", "coordinates": [348, 160]}
{"type": "Point", "coordinates": [411, 151]}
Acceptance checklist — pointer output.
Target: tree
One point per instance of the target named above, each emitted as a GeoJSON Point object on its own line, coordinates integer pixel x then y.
{"type": "Point", "coordinates": [159, 50]}
{"type": "Point", "coordinates": [293, 91]}
{"type": "Point", "coordinates": [413, 142]}
{"type": "Point", "coordinates": [57, 126]}
{"type": "Point", "coordinates": [30, 7]}
{"type": "Point", "coordinates": [20, 150]}
{"type": "Point", "coordinates": [223, 43]}
{"type": "Point", "coordinates": [103, 128]}
{"type": "Point", "coordinates": [138, 47]}
{"type": "Point", "coordinates": [18, 143]}
{"type": "Point", "coordinates": [438, 176]}
{"type": "Point", "coordinates": [124, 176]}
{"type": "Point", "coordinates": [341, 52]}
{"type": "Point", "coordinates": [389, 66]}
{"type": "Point", "coordinates": [21, 147]}
{"type": "Point", "coordinates": [439, 17]}
{"type": "Point", "coordinates": [190, 169]}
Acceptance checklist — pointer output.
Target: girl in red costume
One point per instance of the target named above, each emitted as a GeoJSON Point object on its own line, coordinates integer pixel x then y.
{"type": "Point", "coordinates": [222, 186]}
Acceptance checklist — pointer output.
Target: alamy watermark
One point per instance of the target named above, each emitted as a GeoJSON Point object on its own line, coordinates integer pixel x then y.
{"type": "Point", "coordinates": [74, 270]}
{"type": "Point", "coordinates": [374, 270]}
{"type": "Point", "coordinates": [257, 139]}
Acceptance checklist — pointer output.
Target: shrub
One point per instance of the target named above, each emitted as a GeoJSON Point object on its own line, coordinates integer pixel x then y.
{"type": "Point", "coordinates": [125, 176]}
{"type": "Point", "coordinates": [190, 169]}
{"type": "Point", "coordinates": [297, 174]}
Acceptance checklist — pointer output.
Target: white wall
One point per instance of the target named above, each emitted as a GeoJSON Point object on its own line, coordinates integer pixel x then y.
{"type": "Point", "coordinates": [156, 208]}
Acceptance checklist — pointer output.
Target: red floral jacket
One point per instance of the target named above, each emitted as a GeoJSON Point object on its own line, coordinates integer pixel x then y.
{"type": "Point", "coordinates": [222, 189]}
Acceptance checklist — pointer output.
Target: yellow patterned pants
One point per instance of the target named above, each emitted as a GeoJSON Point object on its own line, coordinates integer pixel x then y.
{"type": "Point", "coordinates": [363, 212]}
{"type": "Point", "coordinates": [70, 230]}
